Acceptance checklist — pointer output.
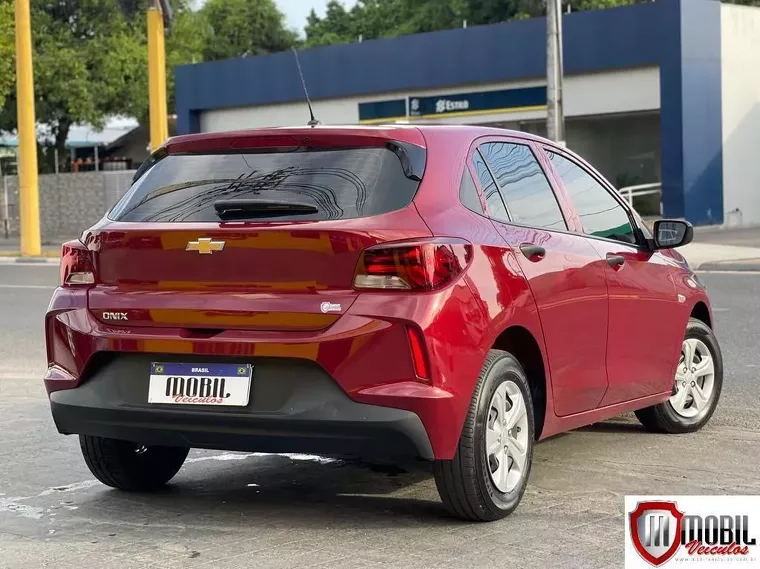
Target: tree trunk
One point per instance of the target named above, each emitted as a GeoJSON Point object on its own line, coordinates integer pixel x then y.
{"type": "Point", "coordinates": [61, 134]}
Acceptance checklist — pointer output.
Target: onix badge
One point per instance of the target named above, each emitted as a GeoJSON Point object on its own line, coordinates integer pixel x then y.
{"type": "Point", "coordinates": [656, 531]}
{"type": "Point", "coordinates": [205, 246]}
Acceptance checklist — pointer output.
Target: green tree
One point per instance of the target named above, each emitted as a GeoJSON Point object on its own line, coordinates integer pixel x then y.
{"type": "Point", "coordinates": [372, 19]}
{"type": "Point", "coordinates": [240, 28]}
{"type": "Point", "coordinates": [336, 26]}
{"type": "Point", "coordinates": [7, 51]}
{"type": "Point", "coordinates": [185, 41]}
{"type": "Point", "coordinates": [86, 59]}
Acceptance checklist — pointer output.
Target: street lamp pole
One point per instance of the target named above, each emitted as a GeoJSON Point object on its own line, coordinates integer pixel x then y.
{"type": "Point", "coordinates": [555, 118]}
{"type": "Point", "coordinates": [27, 140]}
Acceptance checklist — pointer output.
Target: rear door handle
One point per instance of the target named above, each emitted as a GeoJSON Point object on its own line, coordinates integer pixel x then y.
{"type": "Point", "coordinates": [533, 252]}
{"type": "Point", "coordinates": [615, 261]}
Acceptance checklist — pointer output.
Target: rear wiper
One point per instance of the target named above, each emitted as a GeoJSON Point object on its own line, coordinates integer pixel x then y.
{"type": "Point", "coordinates": [241, 208]}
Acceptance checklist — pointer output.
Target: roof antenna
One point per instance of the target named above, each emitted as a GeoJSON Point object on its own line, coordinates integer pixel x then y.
{"type": "Point", "coordinates": [313, 121]}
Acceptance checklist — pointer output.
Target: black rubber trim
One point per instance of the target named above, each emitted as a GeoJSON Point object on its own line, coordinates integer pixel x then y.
{"type": "Point", "coordinates": [295, 406]}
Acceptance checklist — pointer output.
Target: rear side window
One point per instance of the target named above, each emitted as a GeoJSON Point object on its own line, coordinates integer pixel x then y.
{"type": "Point", "coordinates": [468, 193]}
{"type": "Point", "coordinates": [529, 197]}
{"type": "Point", "coordinates": [494, 203]}
{"type": "Point", "coordinates": [302, 185]}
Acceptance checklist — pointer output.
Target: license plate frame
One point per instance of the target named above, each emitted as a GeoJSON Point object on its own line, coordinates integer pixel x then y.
{"type": "Point", "coordinates": [200, 384]}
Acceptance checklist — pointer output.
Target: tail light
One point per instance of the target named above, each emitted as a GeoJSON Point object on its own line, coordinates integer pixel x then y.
{"type": "Point", "coordinates": [413, 265]}
{"type": "Point", "coordinates": [77, 268]}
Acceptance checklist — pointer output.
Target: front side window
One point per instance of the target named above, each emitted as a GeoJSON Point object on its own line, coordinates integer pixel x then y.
{"type": "Point", "coordinates": [600, 213]}
{"type": "Point", "coordinates": [523, 185]}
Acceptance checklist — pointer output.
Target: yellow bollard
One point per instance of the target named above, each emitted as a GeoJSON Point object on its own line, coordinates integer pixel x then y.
{"type": "Point", "coordinates": [27, 139]}
{"type": "Point", "coordinates": [159, 128]}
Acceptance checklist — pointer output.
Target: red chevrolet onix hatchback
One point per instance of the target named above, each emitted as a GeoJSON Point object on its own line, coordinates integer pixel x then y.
{"type": "Point", "coordinates": [446, 293]}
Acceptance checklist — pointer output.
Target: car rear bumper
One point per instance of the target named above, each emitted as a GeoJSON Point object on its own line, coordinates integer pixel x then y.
{"type": "Point", "coordinates": [365, 353]}
{"type": "Point", "coordinates": [295, 406]}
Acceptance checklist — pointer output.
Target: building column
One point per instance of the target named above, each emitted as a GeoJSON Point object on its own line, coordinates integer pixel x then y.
{"type": "Point", "coordinates": [691, 112]}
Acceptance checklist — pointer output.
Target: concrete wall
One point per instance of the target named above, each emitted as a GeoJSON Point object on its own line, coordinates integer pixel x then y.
{"type": "Point", "coordinates": [69, 203]}
{"type": "Point", "coordinates": [588, 94]}
{"type": "Point", "coordinates": [741, 113]}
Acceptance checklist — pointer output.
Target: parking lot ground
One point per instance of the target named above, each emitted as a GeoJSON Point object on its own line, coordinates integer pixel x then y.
{"type": "Point", "coordinates": [230, 510]}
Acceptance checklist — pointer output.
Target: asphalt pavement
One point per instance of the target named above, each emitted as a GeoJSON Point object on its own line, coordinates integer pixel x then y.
{"type": "Point", "coordinates": [228, 510]}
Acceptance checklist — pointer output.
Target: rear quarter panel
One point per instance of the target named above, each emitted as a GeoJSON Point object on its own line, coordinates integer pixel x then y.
{"type": "Point", "coordinates": [494, 277]}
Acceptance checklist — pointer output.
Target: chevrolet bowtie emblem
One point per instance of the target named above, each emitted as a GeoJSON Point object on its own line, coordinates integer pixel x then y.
{"type": "Point", "coordinates": [205, 246]}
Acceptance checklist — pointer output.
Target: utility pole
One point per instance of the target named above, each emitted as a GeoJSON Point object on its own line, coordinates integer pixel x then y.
{"type": "Point", "coordinates": [158, 12]}
{"type": "Point", "coordinates": [555, 118]}
{"type": "Point", "coordinates": [27, 140]}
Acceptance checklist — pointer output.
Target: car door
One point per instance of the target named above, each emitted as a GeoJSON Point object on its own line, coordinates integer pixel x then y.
{"type": "Point", "coordinates": [644, 338]}
{"type": "Point", "coordinates": [565, 273]}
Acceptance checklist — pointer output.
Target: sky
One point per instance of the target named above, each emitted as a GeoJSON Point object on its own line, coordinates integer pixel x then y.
{"type": "Point", "coordinates": [296, 10]}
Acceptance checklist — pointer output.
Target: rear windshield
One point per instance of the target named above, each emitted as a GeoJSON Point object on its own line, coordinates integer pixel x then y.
{"type": "Point", "coordinates": [325, 184]}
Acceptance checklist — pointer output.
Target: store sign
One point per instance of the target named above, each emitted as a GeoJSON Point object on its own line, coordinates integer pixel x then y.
{"type": "Point", "coordinates": [380, 111]}
{"type": "Point", "coordinates": [484, 102]}
{"type": "Point", "coordinates": [462, 104]}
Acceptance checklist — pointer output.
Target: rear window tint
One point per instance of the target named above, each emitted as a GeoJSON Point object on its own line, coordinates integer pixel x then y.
{"type": "Point", "coordinates": [341, 184]}
{"type": "Point", "coordinates": [468, 193]}
{"type": "Point", "coordinates": [494, 203]}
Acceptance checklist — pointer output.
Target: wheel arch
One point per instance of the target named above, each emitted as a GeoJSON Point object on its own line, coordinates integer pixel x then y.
{"type": "Point", "coordinates": [521, 343]}
{"type": "Point", "coordinates": [701, 312]}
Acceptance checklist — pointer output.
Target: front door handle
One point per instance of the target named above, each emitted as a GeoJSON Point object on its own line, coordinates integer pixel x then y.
{"type": "Point", "coordinates": [533, 252]}
{"type": "Point", "coordinates": [615, 261]}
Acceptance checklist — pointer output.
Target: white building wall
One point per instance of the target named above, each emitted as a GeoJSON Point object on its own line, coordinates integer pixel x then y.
{"type": "Point", "coordinates": [741, 113]}
{"type": "Point", "coordinates": [592, 94]}
{"type": "Point", "coordinates": [624, 91]}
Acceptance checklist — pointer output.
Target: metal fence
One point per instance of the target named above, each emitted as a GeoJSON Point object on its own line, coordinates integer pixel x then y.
{"type": "Point", "coordinates": [630, 193]}
{"type": "Point", "coordinates": [69, 203]}
{"type": "Point", "coordinates": [8, 211]}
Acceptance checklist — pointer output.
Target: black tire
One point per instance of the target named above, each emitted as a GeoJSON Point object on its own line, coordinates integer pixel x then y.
{"type": "Point", "coordinates": [130, 466]}
{"type": "Point", "coordinates": [662, 418]}
{"type": "Point", "coordinates": [465, 483]}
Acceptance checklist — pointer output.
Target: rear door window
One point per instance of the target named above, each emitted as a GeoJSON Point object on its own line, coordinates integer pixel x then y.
{"type": "Point", "coordinates": [303, 185]}
{"type": "Point", "coordinates": [468, 193]}
{"type": "Point", "coordinates": [529, 196]}
{"type": "Point", "coordinates": [494, 203]}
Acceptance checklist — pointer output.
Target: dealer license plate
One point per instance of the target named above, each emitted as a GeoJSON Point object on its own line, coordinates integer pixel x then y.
{"type": "Point", "coordinates": [200, 384]}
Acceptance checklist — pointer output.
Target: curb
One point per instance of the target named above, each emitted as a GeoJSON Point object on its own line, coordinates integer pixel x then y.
{"type": "Point", "coordinates": [749, 265]}
{"type": "Point", "coordinates": [29, 261]}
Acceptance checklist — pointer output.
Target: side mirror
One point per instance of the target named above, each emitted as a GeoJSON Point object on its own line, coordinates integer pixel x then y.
{"type": "Point", "coordinates": [671, 233]}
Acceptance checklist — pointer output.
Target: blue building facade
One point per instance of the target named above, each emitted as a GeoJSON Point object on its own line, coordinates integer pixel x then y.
{"type": "Point", "coordinates": [681, 37]}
